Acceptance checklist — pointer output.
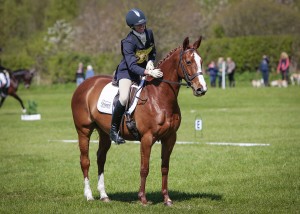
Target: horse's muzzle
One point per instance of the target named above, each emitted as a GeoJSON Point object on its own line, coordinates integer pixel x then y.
{"type": "Point", "coordinates": [199, 92]}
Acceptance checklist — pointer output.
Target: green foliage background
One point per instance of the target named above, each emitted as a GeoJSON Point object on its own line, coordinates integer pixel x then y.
{"type": "Point", "coordinates": [247, 52]}
{"type": "Point", "coordinates": [243, 30]}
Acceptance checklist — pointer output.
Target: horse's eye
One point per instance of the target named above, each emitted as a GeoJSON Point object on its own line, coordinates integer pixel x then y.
{"type": "Point", "coordinates": [188, 62]}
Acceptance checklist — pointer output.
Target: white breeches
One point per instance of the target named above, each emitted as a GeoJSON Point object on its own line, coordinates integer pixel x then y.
{"type": "Point", "coordinates": [124, 89]}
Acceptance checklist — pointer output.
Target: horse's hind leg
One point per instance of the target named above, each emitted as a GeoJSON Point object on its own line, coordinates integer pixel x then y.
{"type": "Point", "coordinates": [84, 140]}
{"type": "Point", "coordinates": [104, 145]}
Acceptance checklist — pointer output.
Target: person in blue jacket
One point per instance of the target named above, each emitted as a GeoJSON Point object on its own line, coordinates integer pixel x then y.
{"type": "Point", "coordinates": [264, 69]}
{"type": "Point", "coordinates": [138, 50]}
{"type": "Point", "coordinates": [89, 72]}
{"type": "Point", "coordinates": [213, 73]}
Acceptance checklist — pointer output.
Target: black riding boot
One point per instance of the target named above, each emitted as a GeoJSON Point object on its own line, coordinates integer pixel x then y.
{"type": "Point", "coordinates": [115, 123]}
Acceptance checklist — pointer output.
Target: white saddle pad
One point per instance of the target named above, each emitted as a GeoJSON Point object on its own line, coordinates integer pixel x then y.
{"type": "Point", "coordinates": [106, 98]}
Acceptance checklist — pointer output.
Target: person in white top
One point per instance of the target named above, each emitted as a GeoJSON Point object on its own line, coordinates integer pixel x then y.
{"type": "Point", "coordinates": [4, 82]}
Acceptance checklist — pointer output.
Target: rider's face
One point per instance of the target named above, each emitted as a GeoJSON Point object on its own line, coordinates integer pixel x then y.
{"type": "Point", "coordinates": [140, 28]}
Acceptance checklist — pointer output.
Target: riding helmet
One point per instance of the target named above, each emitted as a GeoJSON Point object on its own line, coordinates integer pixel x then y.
{"type": "Point", "coordinates": [135, 17]}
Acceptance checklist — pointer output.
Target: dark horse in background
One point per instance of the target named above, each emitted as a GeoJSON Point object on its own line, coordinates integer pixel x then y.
{"type": "Point", "coordinates": [157, 116]}
{"type": "Point", "coordinates": [16, 77]}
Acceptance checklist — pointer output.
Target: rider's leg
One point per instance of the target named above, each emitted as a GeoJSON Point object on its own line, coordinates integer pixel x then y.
{"type": "Point", "coordinates": [124, 88]}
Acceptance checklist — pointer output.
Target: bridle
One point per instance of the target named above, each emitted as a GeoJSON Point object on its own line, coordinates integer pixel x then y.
{"type": "Point", "coordinates": [187, 77]}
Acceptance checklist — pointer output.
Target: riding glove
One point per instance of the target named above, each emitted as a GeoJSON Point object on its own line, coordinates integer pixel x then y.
{"type": "Point", "coordinates": [150, 65]}
{"type": "Point", "coordinates": [156, 73]}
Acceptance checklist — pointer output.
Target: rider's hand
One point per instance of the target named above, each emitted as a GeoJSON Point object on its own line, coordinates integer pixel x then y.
{"type": "Point", "coordinates": [150, 65]}
{"type": "Point", "coordinates": [156, 73]}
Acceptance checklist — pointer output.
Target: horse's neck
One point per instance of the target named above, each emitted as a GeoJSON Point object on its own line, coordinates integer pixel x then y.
{"type": "Point", "coordinates": [17, 76]}
{"type": "Point", "coordinates": [20, 74]}
{"type": "Point", "coordinates": [170, 70]}
{"type": "Point", "coordinates": [166, 91]}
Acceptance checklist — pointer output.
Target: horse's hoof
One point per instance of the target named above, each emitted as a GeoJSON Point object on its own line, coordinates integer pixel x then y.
{"type": "Point", "coordinates": [88, 195]}
{"type": "Point", "coordinates": [144, 204]}
{"type": "Point", "coordinates": [143, 201]}
{"type": "Point", "coordinates": [168, 203]}
{"type": "Point", "coordinates": [89, 198]}
{"type": "Point", "coordinates": [105, 199]}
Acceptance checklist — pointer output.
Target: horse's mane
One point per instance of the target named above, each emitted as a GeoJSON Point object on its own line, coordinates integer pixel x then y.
{"type": "Point", "coordinates": [20, 72]}
{"type": "Point", "coordinates": [168, 56]}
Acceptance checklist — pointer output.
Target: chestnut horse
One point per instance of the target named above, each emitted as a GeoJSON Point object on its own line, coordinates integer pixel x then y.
{"type": "Point", "coordinates": [157, 116]}
{"type": "Point", "coordinates": [16, 77]}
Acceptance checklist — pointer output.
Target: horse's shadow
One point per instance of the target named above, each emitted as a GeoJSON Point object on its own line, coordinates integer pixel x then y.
{"type": "Point", "coordinates": [156, 197]}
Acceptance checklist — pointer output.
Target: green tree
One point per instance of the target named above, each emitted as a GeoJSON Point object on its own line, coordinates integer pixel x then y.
{"type": "Point", "coordinates": [256, 17]}
{"type": "Point", "coordinates": [61, 10]}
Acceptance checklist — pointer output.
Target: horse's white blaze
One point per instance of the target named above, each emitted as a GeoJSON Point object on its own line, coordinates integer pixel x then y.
{"type": "Point", "coordinates": [101, 187]}
{"type": "Point", "coordinates": [197, 59]}
{"type": "Point", "coordinates": [87, 190]}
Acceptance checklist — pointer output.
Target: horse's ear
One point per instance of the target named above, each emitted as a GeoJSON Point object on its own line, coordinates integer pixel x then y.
{"type": "Point", "coordinates": [186, 43]}
{"type": "Point", "coordinates": [196, 45]}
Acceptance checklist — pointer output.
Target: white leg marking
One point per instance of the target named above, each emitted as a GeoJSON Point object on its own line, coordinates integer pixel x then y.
{"type": "Point", "coordinates": [101, 187]}
{"type": "Point", "coordinates": [87, 190]}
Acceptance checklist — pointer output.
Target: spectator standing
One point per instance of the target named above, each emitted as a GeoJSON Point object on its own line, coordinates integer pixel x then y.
{"type": "Point", "coordinates": [89, 72]}
{"type": "Point", "coordinates": [283, 66]}
{"type": "Point", "coordinates": [213, 72]}
{"type": "Point", "coordinates": [230, 71]}
{"type": "Point", "coordinates": [79, 74]}
{"type": "Point", "coordinates": [264, 69]}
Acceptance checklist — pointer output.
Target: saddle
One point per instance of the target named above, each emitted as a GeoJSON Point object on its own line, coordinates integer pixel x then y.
{"type": "Point", "coordinates": [109, 97]}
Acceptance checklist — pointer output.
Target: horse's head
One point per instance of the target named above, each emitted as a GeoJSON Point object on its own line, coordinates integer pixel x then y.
{"type": "Point", "coordinates": [191, 67]}
{"type": "Point", "coordinates": [28, 75]}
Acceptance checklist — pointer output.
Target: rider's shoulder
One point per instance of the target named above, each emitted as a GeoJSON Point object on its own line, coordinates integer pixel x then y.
{"type": "Point", "coordinates": [129, 38]}
{"type": "Point", "coordinates": [149, 31]}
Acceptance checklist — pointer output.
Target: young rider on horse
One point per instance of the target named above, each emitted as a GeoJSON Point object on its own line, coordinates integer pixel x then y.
{"type": "Point", "coordinates": [4, 82]}
{"type": "Point", "coordinates": [138, 50]}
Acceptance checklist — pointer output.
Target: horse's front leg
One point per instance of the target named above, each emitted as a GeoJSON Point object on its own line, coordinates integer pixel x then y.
{"type": "Point", "coordinates": [2, 101]}
{"type": "Point", "coordinates": [20, 101]}
{"type": "Point", "coordinates": [104, 145]}
{"type": "Point", "coordinates": [145, 150]}
{"type": "Point", "coordinates": [166, 150]}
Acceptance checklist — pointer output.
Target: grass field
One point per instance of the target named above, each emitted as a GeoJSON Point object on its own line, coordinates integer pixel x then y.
{"type": "Point", "coordinates": [40, 174]}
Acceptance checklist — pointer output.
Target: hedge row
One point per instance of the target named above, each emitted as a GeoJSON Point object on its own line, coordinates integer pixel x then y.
{"type": "Point", "coordinates": [247, 52]}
